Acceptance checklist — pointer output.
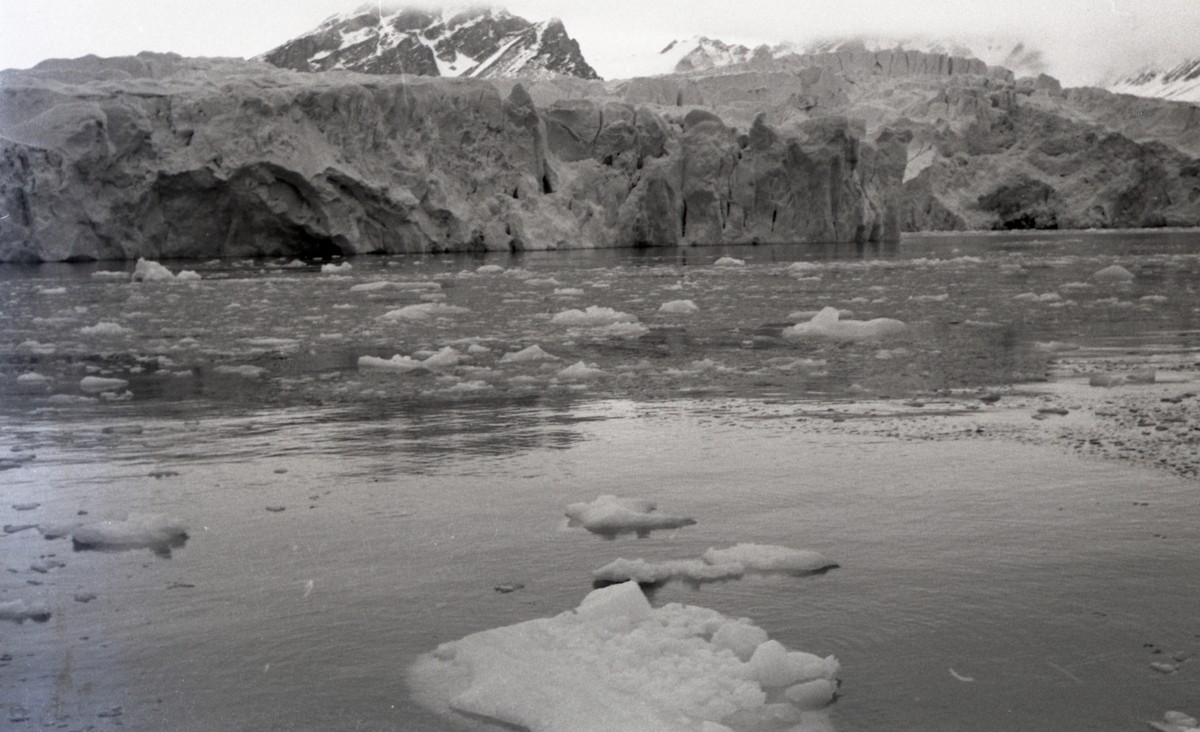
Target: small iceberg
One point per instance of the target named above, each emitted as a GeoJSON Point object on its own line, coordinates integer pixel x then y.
{"type": "Point", "coordinates": [717, 564]}
{"type": "Point", "coordinates": [331, 268]}
{"type": "Point", "coordinates": [148, 271]}
{"type": "Point", "coordinates": [616, 663]}
{"type": "Point", "coordinates": [610, 516]}
{"type": "Point", "coordinates": [593, 316]}
{"type": "Point", "coordinates": [422, 311]}
{"type": "Point", "coordinates": [157, 532]}
{"type": "Point", "coordinates": [528, 355]}
{"type": "Point", "coordinates": [826, 324]}
{"type": "Point", "coordinates": [96, 384]}
{"type": "Point", "coordinates": [1115, 273]}
{"type": "Point", "coordinates": [678, 307]}
{"type": "Point", "coordinates": [17, 611]}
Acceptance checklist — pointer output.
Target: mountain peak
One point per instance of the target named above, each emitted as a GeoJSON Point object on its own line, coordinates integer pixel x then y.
{"type": "Point", "coordinates": [473, 41]}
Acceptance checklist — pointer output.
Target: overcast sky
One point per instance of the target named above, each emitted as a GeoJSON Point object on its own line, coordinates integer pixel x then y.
{"type": "Point", "coordinates": [1081, 39]}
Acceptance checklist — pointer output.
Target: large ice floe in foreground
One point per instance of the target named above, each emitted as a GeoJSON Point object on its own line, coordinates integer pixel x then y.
{"type": "Point", "coordinates": [717, 564]}
{"type": "Point", "coordinates": [616, 664]}
{"type": "Point", "coordinates": [610, 516]}
{"type": "Point", "coordinates": [826, 324]}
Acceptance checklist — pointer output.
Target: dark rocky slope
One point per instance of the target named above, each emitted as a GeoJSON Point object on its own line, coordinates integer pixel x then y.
{"type": "Point", "coordinates": [159, 156]}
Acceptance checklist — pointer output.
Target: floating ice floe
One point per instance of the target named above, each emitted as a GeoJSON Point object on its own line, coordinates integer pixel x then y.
{"type": "Point", "coordinates": [1177, 722]}
{"type": "Point", "coordinates": [105, 328]}
{"type": "Point", "coordinates": [108, 274]}
{"type": "Point", "coordinates": [729, 262]}
{"type": "Point", "coordinates": [244, 370]}
{"type": "Point", "coordinates": [528, 355]}
{"type": "Point", "coordinates": [32, 378]}
{"type": "Point", "coordinates": [489, 269]}
{"type": "Point", "coordinates": [96, 384]}
{"type": "Point", "coordinates": [609, 515]}
{"type": "Point", "coordinates": [188, 275]}
{"type": "Point", "coordinates": [580, 371]}
{"type": "Point", "coordinates": [1034, 297]}
{"type": "Point", "coordinates": [826, 324]}
{"type": "Point", "coordinates": [717, 564]}
{"type": "Point", "coordinates": [1114, 273]}
{"type": "Point", "coordinates": [679, 307]}
{"type": "Point", "coordinates": [423, 311]}
{"type": "Point", "coordinates": [18, 612]}
{"type": "Point", "coordinates": [158, 532]}
{"type": "Point", "coordinates": [447, 357]}
{"type": "Point", "coordinates": [148, 271]}
{"type": "Point", "coordinates": [593, 316]}
{"type": "Point", "coordinates": [332, 268]}
{"type": "Point", "coordinates": [617, 664]}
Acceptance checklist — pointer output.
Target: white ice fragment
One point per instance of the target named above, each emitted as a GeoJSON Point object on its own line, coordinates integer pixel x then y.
{"type": "Point", "coordinates": [612, 515]}
{"type": "Point", "coordinates": [18, 612]}
{"type": "Point", "coordinates": [813, 694]}
{"type": "Point", "coordinates": [244, 370]}
{"type": "Point", "coordinates": [489, 269]}
{"type": "Point", "coordinates": [158, 532]}
{"type": "Point", "coordinates": [613, 664]}
{"type": "Point", "coordinates": [38, 349]}
{"type": "Point", "coordinates": [527, 355]}
{"type": "Point", "coordinates": [423, 311]}
{"type": "Point", "coordinates": [593, 316]}
{"type": "Point", "coordinates": [775, 667]}
{"type": "Point", "coordinates": [95, 384]}
{"type": "Point", "coordinates": [332, 268]}
{"type": "Point", "coordinates": [476, 349]}
{"type": "Point", "coordinates": [625, 602]}
{"type": "Point", "coordinates": [826, 324]}
{"type": "Point", "coordinates": [395, 363]}
{"type": "Point", "coordinates": [1113, 273]}
{"type": "Point", "coordinates": [108, 274]}
{"type": "Point", "coordinates": [148, 271]}
{"type": "Point", "coordinates": [445, 358]}
{"type": "Point", "coordinates": [32, 378]}
{"type": "Point", "coordinates": [568, 291]}
{"type": "Point", "coordinates": [679, 307]}
{"type": "Point", "coordinates": [618, 330]}
{"type": "Point", "coordinates": [188, 275]}
{"type": "Point", "coordinates": [716, 564]}
{"type": "Point", "coordinates": [374, 286]}
{"type": "Point", "coordinates": [105, 328]}
{"type": "Point", "coordinates": [729, 262]}
{"type": "Point", "coordinates": [769, 558]}
{"type": "Point", "coordinates": [580, 371]}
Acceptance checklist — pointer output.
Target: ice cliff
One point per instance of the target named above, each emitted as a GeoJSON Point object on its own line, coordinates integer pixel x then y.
{"type": "Point", "coordinates": [159, 156]}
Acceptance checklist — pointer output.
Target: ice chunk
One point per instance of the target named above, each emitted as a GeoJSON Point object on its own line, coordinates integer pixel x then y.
{"type": "Point", "coordinates": [331, 268]}
{"type": "Point", "coordinates": [18, 612]}
{"type": "Point", "coordinates": [615, 664]}
{"type": "Point", "coordinates": [768, 558]}
{"type": "Point", "coordinates": [395, 363]}
{"type": "Point", "coordinates": [489, 269]}
{"type": "Point", "coordinates": [245, 370]}
{"type": "Point", "coordinates": [678, 307]}
{"type": "Point", "coordinates": [104, 328]}
{"type": "Point", "coordinates": [148, 271]}
{"type": "Point", "coordinates": [826, 324]}
{"type": "Point", "coordinates": [739, 636]}
{"type": "Point", "coordinates": [1114, 273]}
{"type": "Point", "coordinates": [374, 286]}
{"type": "Point", "coordinates": [812, 694]}
{"type": "Point", "coordinates": [32, 378]}
{"type": "Point", "coordinates": [157, 532]}
{"type": "Point", "coordinates": [625, 603]}
{"type": "Point", "coordinates": [188, 275]}
{"type": "Point", "coordinates": [593, 316]}
{"type": "Point", "coordinates": [527, 355]}
{"type": "Point", "coordinates": [423, 311]}
{"type": "Point", "coordinates": [443, 359]}
{"type": "Point", "coordinates": [729, 262]}
{"type": "Point", "coordinates": [1176, 722]}
{"type": "Point", "coordinates": [774, 666]}
{"type": "Point", "coordinates": [93, 384]}
{"type": "Point", "coordinates": [609, 516]}
{"type": "Point", "coordinates": [580, 371]}
{"type": "Point", "coordinates": [108, 274]}
{"type": "Point", "coordinates": [716, 564]}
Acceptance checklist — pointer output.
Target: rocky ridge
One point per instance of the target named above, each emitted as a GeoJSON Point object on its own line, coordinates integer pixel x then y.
{"type": "Point", "coordinates": [477, 43]}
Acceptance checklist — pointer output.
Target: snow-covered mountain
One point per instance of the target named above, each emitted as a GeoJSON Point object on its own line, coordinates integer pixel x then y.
{"type": "Point", "coordinates": [475, 42]}
{"type": "Point", "coordinates": [1180, 84]}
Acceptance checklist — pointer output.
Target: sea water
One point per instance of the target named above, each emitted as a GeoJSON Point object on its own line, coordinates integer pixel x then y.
{"type": "Point", "coordinates": [343, 521]}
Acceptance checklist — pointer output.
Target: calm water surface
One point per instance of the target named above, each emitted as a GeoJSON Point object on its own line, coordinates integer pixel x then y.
{"type": "Point", "coordinates": [1050, 581]}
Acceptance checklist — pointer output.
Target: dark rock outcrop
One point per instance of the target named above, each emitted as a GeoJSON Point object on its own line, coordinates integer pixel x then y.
{"type": "Point", "coordinates": [163, 157]}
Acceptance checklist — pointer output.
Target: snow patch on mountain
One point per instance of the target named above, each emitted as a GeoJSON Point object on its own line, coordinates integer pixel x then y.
{"type": "Point", "coordinates": [1180, 83]}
